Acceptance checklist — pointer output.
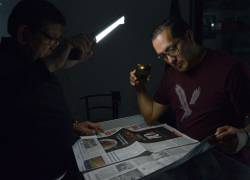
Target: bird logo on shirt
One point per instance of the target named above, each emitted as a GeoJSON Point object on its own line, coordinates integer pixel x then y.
{"type": "Point", "coordinates": [184, 102]}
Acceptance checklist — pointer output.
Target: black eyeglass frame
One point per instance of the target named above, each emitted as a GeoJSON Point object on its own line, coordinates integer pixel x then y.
{"type": "Point", "coordinates": [172, 50]}
{"type": "Point", "coordinates": [50, 38]}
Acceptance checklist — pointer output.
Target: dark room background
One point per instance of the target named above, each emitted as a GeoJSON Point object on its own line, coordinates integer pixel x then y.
{"type": "Point", "coordinates": [108, 69]}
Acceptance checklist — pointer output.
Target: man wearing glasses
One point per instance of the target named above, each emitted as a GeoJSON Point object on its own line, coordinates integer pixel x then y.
{"type": "Point", "coordinates": [36, 129]}
{"type": "Point", "coordinates": [206, 89]}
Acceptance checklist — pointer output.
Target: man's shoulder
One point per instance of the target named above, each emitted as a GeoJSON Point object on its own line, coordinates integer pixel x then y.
{"type": "Point", "coordinates": [217, 53]}
{"type": "Point", "coordinates": [222, 58]}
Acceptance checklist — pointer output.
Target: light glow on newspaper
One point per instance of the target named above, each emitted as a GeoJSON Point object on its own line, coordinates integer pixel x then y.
{"type": "Point", "coordinates": [94, 152]}
{"type": "Point", "coordinates": [132, 153]}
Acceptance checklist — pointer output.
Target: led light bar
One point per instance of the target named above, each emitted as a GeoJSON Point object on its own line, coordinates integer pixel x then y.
{"type": "Point", "coordinates": [109, 29]}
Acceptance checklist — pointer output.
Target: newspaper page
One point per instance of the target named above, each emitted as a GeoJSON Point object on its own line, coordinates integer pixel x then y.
{"type": "Point", "coordinates": [144, 166]}
{"type": "Point", "coordinates": [122, 144]}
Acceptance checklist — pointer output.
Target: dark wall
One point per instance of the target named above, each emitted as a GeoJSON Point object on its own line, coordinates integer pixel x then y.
{"type": "Point", "coordinates": [5, 8]}
{"type": "Point", "coordinates": [115, 55]}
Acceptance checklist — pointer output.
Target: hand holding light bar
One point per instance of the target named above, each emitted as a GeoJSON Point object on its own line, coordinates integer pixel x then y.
{"type": "Point", "coordinates": [76, 53]}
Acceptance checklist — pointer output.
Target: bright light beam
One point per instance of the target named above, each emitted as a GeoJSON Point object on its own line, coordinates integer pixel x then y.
{"type": "Point", "coordinates": [109, 29]}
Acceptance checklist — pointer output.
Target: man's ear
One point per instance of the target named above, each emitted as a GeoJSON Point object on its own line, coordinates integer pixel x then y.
{"type": "Point", "coordinates": [23, 34]}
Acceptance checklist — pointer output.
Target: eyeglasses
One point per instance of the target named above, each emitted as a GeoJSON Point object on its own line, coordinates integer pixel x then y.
{"type": "Point", "coordinates": [171, 50]}
{"type": "Point", "coordinates": [50, 38]}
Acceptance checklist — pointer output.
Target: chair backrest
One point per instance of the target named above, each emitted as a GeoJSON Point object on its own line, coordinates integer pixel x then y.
{"type": "Point", "coordinates": [109, 101]}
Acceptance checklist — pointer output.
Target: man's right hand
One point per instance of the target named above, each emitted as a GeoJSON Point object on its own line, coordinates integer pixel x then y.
{"type": "Point", "coordinates": [60, 58]}
{"type": "Point", "coordinates": [140, 75]}
{"type": "Point", "coordinates": [150, 110]}
{"type": "Point", "coordinates": [134, 81]}
{"type": "Point", "coordinates": [83, 43]}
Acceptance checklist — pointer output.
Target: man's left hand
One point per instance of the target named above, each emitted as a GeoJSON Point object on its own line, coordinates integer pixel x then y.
{"type": "Point", "coordinates": [230, 139]}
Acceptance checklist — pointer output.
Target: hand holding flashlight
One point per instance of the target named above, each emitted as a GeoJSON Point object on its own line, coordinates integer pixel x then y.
{"type": "Point", "coordinates": [81, 47]}
{"type": "Point", "coordinates": [77, 48]}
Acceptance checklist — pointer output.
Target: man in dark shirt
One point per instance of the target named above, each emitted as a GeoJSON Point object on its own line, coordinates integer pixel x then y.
{"type": "Point", "coordinates": [205, 88]}
{"type": "Point", "coordinates": [36, 129]}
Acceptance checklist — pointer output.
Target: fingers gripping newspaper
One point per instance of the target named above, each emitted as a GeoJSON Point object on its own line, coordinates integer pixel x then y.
{"type": "Point", "coordinates": [126, 153]}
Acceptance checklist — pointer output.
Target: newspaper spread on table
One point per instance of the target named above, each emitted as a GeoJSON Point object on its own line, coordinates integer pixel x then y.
{"type": "Point", "coordinates": [132, 152]}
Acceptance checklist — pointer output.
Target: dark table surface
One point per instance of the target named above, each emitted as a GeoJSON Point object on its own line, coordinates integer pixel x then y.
{"type": "Point", "coordinates": [211, 165]}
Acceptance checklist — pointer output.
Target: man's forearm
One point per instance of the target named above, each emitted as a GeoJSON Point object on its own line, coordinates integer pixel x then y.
{"type": "Point", "coordinates": [145, 103]}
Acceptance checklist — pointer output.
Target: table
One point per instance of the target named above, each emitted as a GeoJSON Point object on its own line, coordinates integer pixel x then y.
{"type": "Point", "coordinates": [212, 165]}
